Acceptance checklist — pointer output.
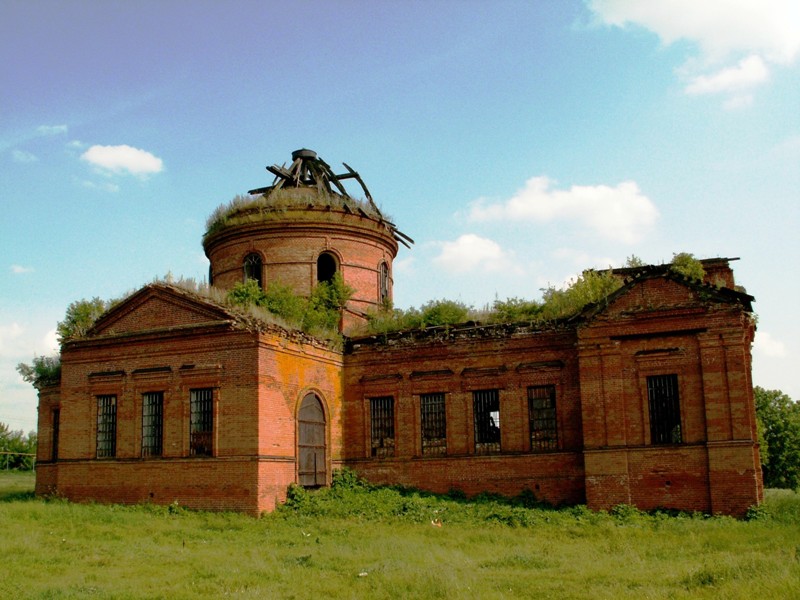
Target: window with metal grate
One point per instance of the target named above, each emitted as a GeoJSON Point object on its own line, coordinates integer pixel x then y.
{"type": "Point", "coordinates": [382, 426]}
{"type": "Point", "coordinates": [434, 424]}
{"type": "Point", "coordinates": [486, 411]}
{"type": "Point", "coordinates": [152, 423]}
{"type": "Point", "coordinates": [665, 409]}
{"type": "Point", "coordinates": [106, 426]}
{"type": "Point", "coordinates": [201, 422]}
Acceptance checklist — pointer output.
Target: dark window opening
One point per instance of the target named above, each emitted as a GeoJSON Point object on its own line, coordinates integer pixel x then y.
{"type": "Point", "coordinates": [56, 426]}
{"type": "Point", "coordinates": [665, 409]}
{"type": "Point", "coordinates": [434, 424]}
{"type": "Point", "coordinates": [542, 417]}
{"type": "Point", "coordinates": [486, 407]}
{"type": "Point", "coordinates": [152, 423]}
{"type": "Point", "coordinates": [201, 422]}
{"type": "Point", "coordinates": [253, 269]}
{"type": "Point", "coordinates": [106, 426]}
{"type": "Point", "coordinates": [383, 283]}
{"type": "Point", "coordinates": [382, 426]}
{"type": "Point", "coordinates": [326, 267]}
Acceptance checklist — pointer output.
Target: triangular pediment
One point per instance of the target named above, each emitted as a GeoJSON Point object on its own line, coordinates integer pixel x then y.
{"type": "Point", "coordinates": [158, 307]}
{"type": "Point", "coordinates": [657, 292]}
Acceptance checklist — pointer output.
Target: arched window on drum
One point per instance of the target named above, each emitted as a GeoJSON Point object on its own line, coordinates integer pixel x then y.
{"type": "Point", "coordinates": [326, 267]}
{"type": "Point", "coordinates": [253, 269]}
{"type": "Point", "coordinates": [383, 283]}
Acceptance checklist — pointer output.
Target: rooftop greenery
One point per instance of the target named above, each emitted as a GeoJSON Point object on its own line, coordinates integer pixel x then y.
{"type": "Point", "coordinates": [244, 208]}
{"type": "Point", "coordinates": [319, 315]}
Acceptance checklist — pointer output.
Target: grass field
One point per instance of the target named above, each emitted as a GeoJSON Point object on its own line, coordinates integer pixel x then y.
{"type": "Point", "coordinates": [356, 542]}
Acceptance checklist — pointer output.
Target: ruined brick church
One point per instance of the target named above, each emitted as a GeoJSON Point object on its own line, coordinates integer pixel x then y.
{"type": "Point", "coordinates": [172, 396]}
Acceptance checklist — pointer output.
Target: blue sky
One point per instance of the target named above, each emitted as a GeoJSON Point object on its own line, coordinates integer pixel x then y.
{"type": "Point", "coordinates": [517, 142]}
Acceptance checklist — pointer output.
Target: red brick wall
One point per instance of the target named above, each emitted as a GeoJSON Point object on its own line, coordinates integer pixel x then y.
{"type": "Point", "coordinates": [456, 365]}
{"type": "Point", "coordinates": [161, 341]}
{"type": "Point", "coordinates": [290, 247]}
{"type": "Point", "coordinates": [258, 381]}
{"type": "Point", "coordinates": [660, 327]}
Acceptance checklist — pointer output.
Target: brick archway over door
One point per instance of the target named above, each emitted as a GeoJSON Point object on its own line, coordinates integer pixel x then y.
{"type": "Point", "coordinates": [312, 468]}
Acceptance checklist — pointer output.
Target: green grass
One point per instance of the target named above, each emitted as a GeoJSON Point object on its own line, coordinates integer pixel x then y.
{"type": "Point", "coordinates": [353, 541]}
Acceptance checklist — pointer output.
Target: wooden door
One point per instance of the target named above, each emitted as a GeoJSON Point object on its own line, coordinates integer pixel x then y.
{"type": "Point", "coordinates": [312, 464]}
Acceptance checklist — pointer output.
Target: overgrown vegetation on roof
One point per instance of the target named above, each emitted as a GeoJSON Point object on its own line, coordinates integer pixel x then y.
{"type": "Point", "coordinates": [244, 208]}
{"type": "Point", "coordinates": [43, 371]}
{"type": "Point", "coordinates": [557, 303]}
{"type": "Point", "coordinates": [318, 315]}
{"type": "Point", "coordinates": [687, 265]}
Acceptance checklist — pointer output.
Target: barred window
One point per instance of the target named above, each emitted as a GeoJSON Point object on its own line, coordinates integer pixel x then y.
{"type": "Point", "coordinates": [201, 422]}
{"type": "Point", "coordinates": [486, 410]}
{"type": "Point", "coordinates": [152, 423]}
{"type": "Point", "coordinates": [542, 417]}
{"type": "Point", "coordinates": [665, 409]}
{"type": "Point", "coordinates": [382, 426]}
{"type": "Point", "coordinates": [383, 282]}
{"type": "Point", "coordinates": [106, 426]}
{"type": "Point", "coordinates": [253, 268]}
{"type": "Point", "coordinates": [434, 424]}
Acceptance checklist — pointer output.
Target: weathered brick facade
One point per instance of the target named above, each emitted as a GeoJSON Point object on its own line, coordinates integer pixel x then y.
{"type": "Point", "coordinates": [645, 400]}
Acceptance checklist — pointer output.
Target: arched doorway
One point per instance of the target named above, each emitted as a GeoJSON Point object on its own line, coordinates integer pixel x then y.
{"type": "Point", "coordinates": [312, 470]}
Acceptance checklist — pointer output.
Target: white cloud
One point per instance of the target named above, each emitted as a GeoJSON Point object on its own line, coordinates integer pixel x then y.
{"type": "Point", "coordinates": [403, 266]}
{"type": "Point", "coordinates": [19, 269]}
{"type": "Point", "coordinates": [750, 71]}
{"type": "Point", "coordinates": [753, 32]}
{"type": "Point", "coordinates": [21, 156]}
{"type": "Point", "coordinates": [619, 213]}
{"type": "Point", "coordinates": [50, 341]}
{"type": "Point", "coordinates": [9, 339]}
{"type": "Point", "coordinates": [470, 253]}
{"type": "Point", "coordinates": [104, 186]}
{"type": "Point", "coordinates": [738, 102]}
{"type": "Point", "coordinates": [119, 159]}
{"type": "Point", "coordinates": [721, 28]}
{"type": "Point", "coordinates": [768, 346]}
{"type": "Point", "coordinates": [51, 129]}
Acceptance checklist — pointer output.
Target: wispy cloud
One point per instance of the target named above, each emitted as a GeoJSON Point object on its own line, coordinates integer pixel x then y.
{"type": "Point", "coordinates": [620, 212]}
{"type": "Point", "coordinates": [122, 159]}
{"type": "Point", "coordinates": [21, 156]}
{"type": "Point", "coordinates": [19, 269]}
{"type": "Point", "coordinates": [737, 41]}
{"type": "Point", "coordinates": [769, 346]}
{"type": "Point", "coordinates": [103, 186]}
{"type": "Point", "coordinates": [9, 338]}
{"type": "Point", "coordinates": [749, 72]}
{"type": "Point", "coordinates": [51, 129]}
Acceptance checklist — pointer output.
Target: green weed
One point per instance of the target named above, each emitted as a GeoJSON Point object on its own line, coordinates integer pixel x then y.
{"type": "Point", "coordinates": [354, 540]}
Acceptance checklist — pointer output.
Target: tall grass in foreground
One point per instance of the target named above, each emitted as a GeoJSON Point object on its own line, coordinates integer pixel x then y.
{"type": "Point", "coordinates": [353, 541]}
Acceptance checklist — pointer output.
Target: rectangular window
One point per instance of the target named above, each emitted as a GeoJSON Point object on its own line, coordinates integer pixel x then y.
{"type": "Point", "coordinates": [542, 417]}
{"type": "Point", "coordinates": [382, 426]}
{"type": "Point", "coordinates": [434, 424]}
{"type": "Point", "coordinates": [106, 426]}
{"type": "Point", "coordinates": [201, 422]}
{"type": "Point", "coordinates": [665, 409]}
{"type": "Point", "coordinates": [56, 426]}
{"type": "Point", "coordinates": [486, 410]}
{"type": "Point", "coordinates": [152, 423]}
